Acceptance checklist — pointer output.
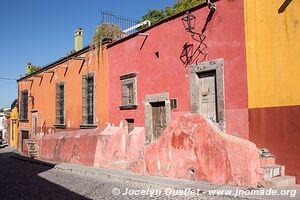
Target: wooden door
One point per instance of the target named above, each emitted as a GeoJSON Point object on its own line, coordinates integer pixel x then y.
{"type": "Point", "coordinates": [207, 95]}
{"type": "Point", "coordinates": [25, 135]}
{"type": "Point", "coordinates": [158, 118]}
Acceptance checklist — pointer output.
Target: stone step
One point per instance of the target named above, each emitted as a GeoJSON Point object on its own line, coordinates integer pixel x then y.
{"type": "Point", "coordinates": [273, 171]}
{"type": "Point", "coordinates": [32, 149]}
{"type": "Point", "coordinates": [281, 182]}
{"type": "Point", "coordinates": [33, 154]}
{"type": "Point", "coordinates": [30, 143]}
{"type": "Point", "coordinates": [265, 162]}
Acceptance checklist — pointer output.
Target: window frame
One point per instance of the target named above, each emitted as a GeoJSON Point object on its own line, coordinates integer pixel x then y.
{"type": "Point", "coordinates": [126, 80]}
{"type": "Point", "coordinates": [23, 107]}
{"type": "Point", "coordinates": [85, 105]}
{"type": "Point", "coordinates": [58, 123]}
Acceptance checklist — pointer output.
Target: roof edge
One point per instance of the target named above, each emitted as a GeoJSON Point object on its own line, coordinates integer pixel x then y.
{"type": "Point", "coordinates": [202, 5]}
{"type": "Point", "coordinates": [57, 62]}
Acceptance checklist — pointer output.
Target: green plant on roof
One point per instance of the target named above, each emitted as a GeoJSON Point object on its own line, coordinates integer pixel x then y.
{"type": "Point", "coordinates": [105, 31]}
{"type": "Point", "coordinates": [31, 69]}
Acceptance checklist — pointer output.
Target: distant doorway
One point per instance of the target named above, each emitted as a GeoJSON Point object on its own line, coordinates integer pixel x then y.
{"type": "Point", "coordinates": [24, 136]}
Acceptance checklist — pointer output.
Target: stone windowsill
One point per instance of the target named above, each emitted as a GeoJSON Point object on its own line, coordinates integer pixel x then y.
{"type": "Point", "coordinates": [88, 126]}
{"type": "Point", "coordinates": [60, 126]}
{"type": "Point", "coordinates": [128, 107]}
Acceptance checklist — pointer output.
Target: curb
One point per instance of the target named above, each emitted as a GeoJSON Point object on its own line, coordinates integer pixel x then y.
{"type": "Point", "coordinates": [103, 173]}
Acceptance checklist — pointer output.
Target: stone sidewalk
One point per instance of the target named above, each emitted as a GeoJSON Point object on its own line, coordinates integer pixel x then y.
{"type": "Point", "coordinates": [206, 189]}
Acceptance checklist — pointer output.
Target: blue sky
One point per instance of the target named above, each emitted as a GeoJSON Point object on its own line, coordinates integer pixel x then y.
{"type": "Point", "coordinates": [41, 31]}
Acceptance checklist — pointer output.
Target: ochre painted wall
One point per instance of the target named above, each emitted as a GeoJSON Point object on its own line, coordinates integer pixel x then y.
{"type": "Point", "coordinates": [225, 38]}
{"type": "Point", "coordinates": [14, 128]}
{"type": "Point", "coordinates": [273, 52]}
{"type": "Point", "coordinates": [44, 93]}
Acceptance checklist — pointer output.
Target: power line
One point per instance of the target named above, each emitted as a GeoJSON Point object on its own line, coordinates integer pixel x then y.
{"type": "Point", "coordinates": [7, 79]}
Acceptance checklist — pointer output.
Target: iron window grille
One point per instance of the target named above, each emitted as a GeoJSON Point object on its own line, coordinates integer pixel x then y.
{"type": "Point", "coordinates": [60, 103]}
{"type": "Point", "coordinates": [128, 91]}
{"type": "Point", "coordinates": [24, 105]}
{"type": "Point", "coordinates": [88, 99]}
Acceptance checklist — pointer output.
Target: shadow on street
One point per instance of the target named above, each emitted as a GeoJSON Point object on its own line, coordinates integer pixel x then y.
{"type": "Point", "coordinates": [20, 180]}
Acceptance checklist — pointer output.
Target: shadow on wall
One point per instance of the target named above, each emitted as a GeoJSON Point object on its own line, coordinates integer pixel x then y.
{"type": "Point", "coordinates": [189, 54]}
{"type": "Point", "coordinates": [284, 6]}
{"type": "Point", "coordinates": [22, 181]}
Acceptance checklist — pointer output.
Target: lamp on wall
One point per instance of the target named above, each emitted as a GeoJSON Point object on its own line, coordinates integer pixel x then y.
{"type": "Point", "coordinates": [211, 6]}
{"type": "Point", "coordinates": [189, 21]}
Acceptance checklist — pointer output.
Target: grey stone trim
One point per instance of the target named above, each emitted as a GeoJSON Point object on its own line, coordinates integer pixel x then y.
{"type": "Point", "coordinates": [160, 97]}
{"type": "Point", "coordinates": [157, 97]}
{"type": "Point", "coordinates": [127, 76]}
{"type": "Point", "coordinates": [125, 80]}
{"type": "Point", "coordinates": [218, 66]}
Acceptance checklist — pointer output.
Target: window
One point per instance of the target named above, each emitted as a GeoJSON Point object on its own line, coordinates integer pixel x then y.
{"type": "Point", "coordinates": [173, 103]}
{"type": "Point", "coordinates": [24, 105]}
{"type": "Point", "coordinates": [60, 104]}
{"type": "Point", "coordinates": [130, 125]}
{"type": "Point", "coordinates": [129, 97]}
{"type": "Point", "coordinates": [88, 99]}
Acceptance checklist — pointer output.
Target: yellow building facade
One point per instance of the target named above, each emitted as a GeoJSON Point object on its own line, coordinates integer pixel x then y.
{"type": "Point", "coordinates": [273, 71]}
{"type": "Point", "coordinates": [14, 127]}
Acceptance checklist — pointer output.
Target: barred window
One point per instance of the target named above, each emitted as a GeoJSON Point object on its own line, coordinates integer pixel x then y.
{"type": "Point", "coordinates": [24, 105]}
{"type": "Point", "coordinates": [88, 99]}
{"type": "Point", "coordinates": [60, 103]}
{"type": "Point", "coordinates": [129, 97]}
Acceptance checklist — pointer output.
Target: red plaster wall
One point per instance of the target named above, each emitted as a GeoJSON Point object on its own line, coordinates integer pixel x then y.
{"type": "Point", "coordinates": [191, 142]}
{"type": "Point", "coordinates": [225, 38]}
{"type": "Point", "coordinates": [278, 129]}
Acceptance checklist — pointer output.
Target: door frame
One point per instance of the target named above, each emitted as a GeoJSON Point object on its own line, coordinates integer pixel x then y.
{"type": "Point", "coordinates": [159, 97]}
{"type": "Point", "coordinates": [217, 66]}
{"type": "Point", "coordinates": [21, 138]}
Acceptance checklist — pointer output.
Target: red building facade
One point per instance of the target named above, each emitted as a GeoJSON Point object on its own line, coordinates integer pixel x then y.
{"type": "Point", "coordinates": [155, 57]}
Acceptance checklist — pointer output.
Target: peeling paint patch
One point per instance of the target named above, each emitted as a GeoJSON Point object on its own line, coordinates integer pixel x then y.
{"type": "Point", "coordinates": [158, 165]}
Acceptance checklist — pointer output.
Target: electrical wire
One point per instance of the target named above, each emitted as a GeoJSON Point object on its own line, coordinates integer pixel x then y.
{"type": "Point", "coordinates": [7, 79]}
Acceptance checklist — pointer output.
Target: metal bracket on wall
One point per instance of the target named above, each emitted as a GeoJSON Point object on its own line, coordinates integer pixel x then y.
{"type": "Point", "coordinates": [31, 82]}
{"type": "Point", "coordinates": [41, 78]}
{"type": "Point", "coordinates": [50, 72]}
{"type": "Point", "coordinates": [83, 61]}
{"type": "Point", "coordinates": [211, 5]}
{"type": "Point", "coordinates": [146, 35]}
{"type": "Point", "coordinates": [66, 69]}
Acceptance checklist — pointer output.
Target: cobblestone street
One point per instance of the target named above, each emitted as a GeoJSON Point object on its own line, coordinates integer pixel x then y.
{"type": "Point", "coordinates": [25, 180]}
